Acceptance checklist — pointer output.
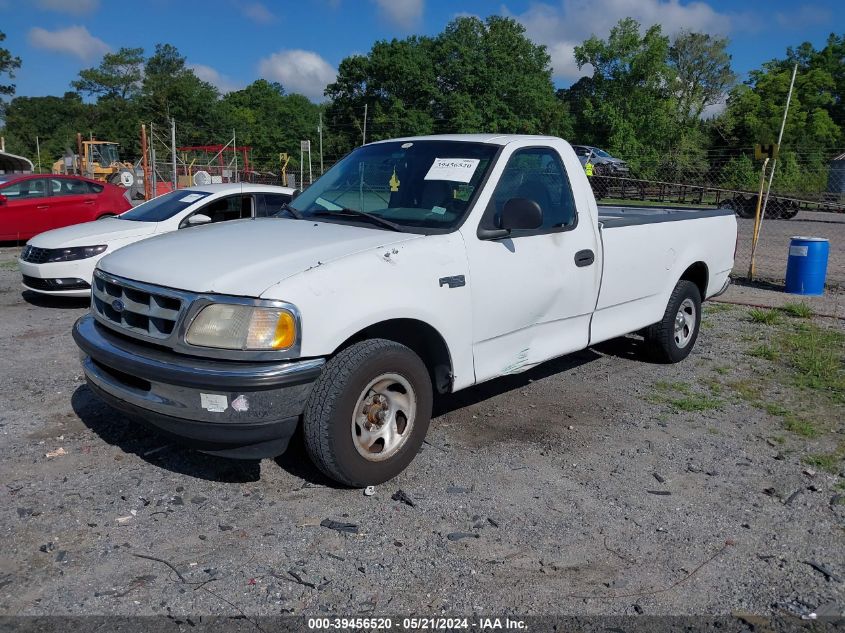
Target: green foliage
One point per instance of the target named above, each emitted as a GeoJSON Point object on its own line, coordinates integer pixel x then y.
{"type": "Point", "coordinates": [118, 75]}
{"type": "Point", "coordinates": [766, 317]}
{"type": "Point", "coordinates": [818, 357]}
{"type": "Point", "coordinates": [8, 65]}
{"type": "Point", "coordinates": [799, 310]}
{"type": "Point", "coordinates": [702, 73]}
{"type": "Point", "coordinates": [462, 80]}
{"type": "Point", "coordinates": [764, 351]}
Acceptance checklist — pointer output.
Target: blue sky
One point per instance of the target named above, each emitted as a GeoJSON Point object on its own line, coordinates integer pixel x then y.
{"type": "Point", "coordinates": [301, 43]}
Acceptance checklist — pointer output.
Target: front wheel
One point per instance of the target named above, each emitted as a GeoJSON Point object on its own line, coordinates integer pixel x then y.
{"type": "Point", "coordinates": [671, 339]}
{"type": "Point", "coordinates": [368, 413]}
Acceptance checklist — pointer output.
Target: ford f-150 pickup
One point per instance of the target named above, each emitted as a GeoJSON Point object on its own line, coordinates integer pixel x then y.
{"type": "Point", "coordinates": [413, 266]}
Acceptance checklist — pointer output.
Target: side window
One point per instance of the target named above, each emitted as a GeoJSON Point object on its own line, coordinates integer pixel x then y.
{"type": "Point", "coordinates": [68, 187]}
{"type": "Point", "coordinates": [26, 189]}
{"type": "Point", "coordinates": [225, 209]}
{"type": "Point", "coordinates": [536, 173]}
{"type": "Point", "coordinates": [271, 204]}
{"type": "Point", "coordinates": [95, 188]}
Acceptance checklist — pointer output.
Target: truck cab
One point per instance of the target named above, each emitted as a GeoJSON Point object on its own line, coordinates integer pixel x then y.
{"type": "Point", "coordinates": [413, 266]}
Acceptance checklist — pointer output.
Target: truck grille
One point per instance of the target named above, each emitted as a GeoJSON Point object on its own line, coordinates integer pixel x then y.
{"type": "Point", "coordinates": [35, 255]}
{"type": "Point", "coordinates": [137, 308]}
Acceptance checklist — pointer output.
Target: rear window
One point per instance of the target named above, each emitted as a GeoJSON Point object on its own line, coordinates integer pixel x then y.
{"type": "Point", "coordinates": [164, 207]}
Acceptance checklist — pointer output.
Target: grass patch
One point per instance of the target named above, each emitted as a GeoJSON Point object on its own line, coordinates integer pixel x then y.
{"type": "Point", "coordinates": [747, 390]}
{"type": "Point", "coordinates": [798, 310]}
{"type": "Point", "coordinates": [764, 351]}
{"type": "Point", "coordinates": [722, 370]}
{"type": "Point", "coordinates": [766, 317]}
{"type": "Point", "coordinates": [694, 402]}
{"type": "Point", "coordinates": [800, 427]}
{"type": "Point", "coordinates": [678, 386]}
{"type": "Point", "coordinates": [10, 265]}
{"type": "Point", "coordinates": [828, 462]}
{"type": "Point", "coordinates": [773, 408]}
{"type": "Point", "coordinates": [716, 308]}
{"type": "Point", "coordinates": [816, 355]}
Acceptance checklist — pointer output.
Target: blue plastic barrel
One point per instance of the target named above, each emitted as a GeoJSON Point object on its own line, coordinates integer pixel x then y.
{"type": "Point", "coordinates": [806, 268]}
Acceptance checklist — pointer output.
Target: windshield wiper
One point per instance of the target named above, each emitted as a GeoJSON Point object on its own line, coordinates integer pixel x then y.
{"type": "Point", "coordinates": [294, 212]}
{"type": "Point", "coordinates": [361, 214]}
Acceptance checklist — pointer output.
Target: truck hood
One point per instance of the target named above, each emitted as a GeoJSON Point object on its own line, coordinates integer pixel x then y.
{"type": "Point", "coordinates": [243, 257]}
{"type": "Point", "coordinates": [92, 233]}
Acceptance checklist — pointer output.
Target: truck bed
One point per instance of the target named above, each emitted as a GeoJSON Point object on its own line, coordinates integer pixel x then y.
{"type": "Point", "coordinates": [616, 216]}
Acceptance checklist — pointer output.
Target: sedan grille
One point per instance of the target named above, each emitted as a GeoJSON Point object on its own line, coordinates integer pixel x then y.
{"type": "Point", "coordinates": [35, 255]}
{"type": "Point", "coordinates": [149, 311]}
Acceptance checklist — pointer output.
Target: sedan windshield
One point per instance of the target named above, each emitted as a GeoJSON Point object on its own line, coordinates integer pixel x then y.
{"type": "Point", "coordinates": [164, 207]}
{"type": "Point", "coordinates": [415, 186]}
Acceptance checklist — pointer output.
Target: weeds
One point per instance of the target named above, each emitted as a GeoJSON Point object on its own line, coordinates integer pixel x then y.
{"type": "Point", "coordinates": [764, 351]}
{"type": "Point", "coordinates": [828, 462]}
{"type": "Point", "coordinates": [767, 317]}
{"type": "Point", "coordinates": [816, 356]}
{"type": "Point", "coordinates": [799, 310]}
{"type": "Point", "coordinates": [800, 427]}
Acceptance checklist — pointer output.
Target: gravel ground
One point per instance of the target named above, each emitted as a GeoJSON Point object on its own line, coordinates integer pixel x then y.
{"type": "Point", "coordinates": [594, 484]}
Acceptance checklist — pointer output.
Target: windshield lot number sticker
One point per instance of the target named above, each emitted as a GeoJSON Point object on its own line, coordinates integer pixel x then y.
{"type": "Point", "coordinates": [214, 402]}
{"type": "Point", "coordinates": [452, 169]}
{"type": "Point", "coordinates": [191, 197]}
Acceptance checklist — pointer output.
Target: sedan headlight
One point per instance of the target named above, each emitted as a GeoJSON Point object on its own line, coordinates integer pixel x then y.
{"type": "Point", "coordinates": [74, 253]}
{"type": "Point", "coordinates": [243, 327]}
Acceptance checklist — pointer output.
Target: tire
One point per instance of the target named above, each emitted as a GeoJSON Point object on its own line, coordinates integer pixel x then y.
{"type": "Point", "coordinates": [666, 343]}
{"type": "Point", "coordinates": [339, 436]}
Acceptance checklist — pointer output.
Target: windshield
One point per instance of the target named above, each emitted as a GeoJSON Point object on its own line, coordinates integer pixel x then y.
{"type": "Point", "coordinates": [164, 207]}
{"type": "Point", "coordinates": [601, 152]}
{"type": "Point", "coordinates": [104, 154]}
{"type": "Point", "coordinates": [419, 186]}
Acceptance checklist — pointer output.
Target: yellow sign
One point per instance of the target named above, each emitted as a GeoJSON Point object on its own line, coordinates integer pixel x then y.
{"type": "Point", "coordinates": [766, 151]}
{"type": "Point", "coordinates": [588, 168]}
{"type": "Point", "coordinates": [394, 182]}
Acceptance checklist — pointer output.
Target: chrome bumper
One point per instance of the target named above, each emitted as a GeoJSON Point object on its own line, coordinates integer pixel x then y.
{"type": "Point", "coordinates": [225, 407]}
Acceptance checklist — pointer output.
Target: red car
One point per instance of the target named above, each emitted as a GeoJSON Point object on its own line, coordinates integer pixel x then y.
{"type": "Point", "coordinates": [31, 204]}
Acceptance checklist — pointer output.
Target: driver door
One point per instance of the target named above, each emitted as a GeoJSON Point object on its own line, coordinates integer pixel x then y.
{"type": "Point", "coordinates": [531, 300]}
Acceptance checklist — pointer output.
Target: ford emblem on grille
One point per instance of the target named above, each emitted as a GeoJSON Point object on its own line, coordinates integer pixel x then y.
{"type": "Point", "coordinates": [117, 305]}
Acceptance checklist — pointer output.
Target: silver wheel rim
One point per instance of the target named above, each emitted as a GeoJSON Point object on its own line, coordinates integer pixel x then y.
{"type": "Point", "coordinates": [383, 418]}
{"type": "Point", "coordinates": [684, 323]}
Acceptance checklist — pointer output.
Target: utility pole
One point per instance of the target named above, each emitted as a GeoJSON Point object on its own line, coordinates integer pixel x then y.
{"type": "Point", "coordinates": [173, 152]}
{"type": "Point", "coordinates": [235, 147]}
{"type": "Point", "coordinates": [320, 132]}
{"type": "Point", "coordinates": [153, 162]}
{"type": "Point", "coordinates": [365, 125]}
{"type": "Point", "coordinates": [38, 153]}
{"type": "Point", "coordinates": [756, 236]}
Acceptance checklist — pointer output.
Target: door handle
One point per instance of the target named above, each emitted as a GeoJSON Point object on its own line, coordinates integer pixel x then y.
{"type": "Point", "coordinates": [584, 258]}
{"type": "Point", "coordinates": [43, 206]}
{"type": "Point", "coordinates": [89, 202]}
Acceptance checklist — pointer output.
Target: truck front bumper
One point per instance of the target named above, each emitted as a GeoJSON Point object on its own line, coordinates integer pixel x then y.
{"type": "Point", "coordinates": [245, 410]}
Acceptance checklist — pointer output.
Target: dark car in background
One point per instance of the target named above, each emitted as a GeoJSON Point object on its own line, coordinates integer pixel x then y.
{"type": "Point", "coordinates": [31, 204]}
{"type": "Point", "coordinates": [599, 158]}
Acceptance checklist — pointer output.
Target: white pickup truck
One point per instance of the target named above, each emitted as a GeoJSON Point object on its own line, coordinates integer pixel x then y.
{"type": "Point", "coordinates": [412, 266]}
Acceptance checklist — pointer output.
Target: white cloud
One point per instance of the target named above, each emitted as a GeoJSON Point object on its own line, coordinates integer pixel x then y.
{"type": "Point", "coordinates": [257, 12]}
{"type": "Point", "coordinates": [403, 13]}
{"type": "Point", "coordinates": [75, 7]}
{"type": "Point", "coordinates": [223, 83]}
{"type": "Point", "coordinates": [299, 71]}
{"type": "Point", "coordinates": [564, 25]}
{"type": "Point", "coordinates": [74, 40]}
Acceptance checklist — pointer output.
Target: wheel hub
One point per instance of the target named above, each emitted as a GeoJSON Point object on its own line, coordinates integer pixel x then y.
{"type": "Point", "coordinates": [384, 416]}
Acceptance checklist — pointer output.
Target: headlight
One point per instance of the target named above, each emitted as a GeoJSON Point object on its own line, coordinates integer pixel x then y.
{"type": "Point", "coordinates": [77, 252]}
{"type": "Point", "coordinates": [232, 326]}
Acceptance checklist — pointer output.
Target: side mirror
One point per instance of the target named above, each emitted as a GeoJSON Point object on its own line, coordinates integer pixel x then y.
{"type": "Point", "coordinates": [3, 200]}
{"type": "Point", "coordinates": [198, 219]}
{"type": "Point", "coordinates": [521, 213]}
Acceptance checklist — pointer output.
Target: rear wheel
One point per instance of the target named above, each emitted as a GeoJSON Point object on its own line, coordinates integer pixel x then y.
{"type": "Point", "coordinates": [671, 339]}
{"type": "Point", "coordinates": [368, 413]}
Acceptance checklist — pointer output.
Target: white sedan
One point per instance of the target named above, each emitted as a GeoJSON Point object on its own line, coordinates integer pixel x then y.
{"type": "Point", "coordinates": [62, 262]}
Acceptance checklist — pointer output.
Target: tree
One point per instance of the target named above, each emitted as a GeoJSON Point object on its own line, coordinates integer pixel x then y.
{"type": "Point", "coordinates": [477, 75]}
{"type": "Point", "coordinates": [170, 90]}
{"type": "Point", "coordinates": [755, 109]}
{"type": "Point", "coordinates": [268, 120]}
{"type": "Point", "coordinates": [8, 66]}
{"type": "Point", "coordinates": [629, 103]}
{"type": "Point", "coordinates": [118, 75]}
{"type": "Point", "coordinates": [54, 120]}
{"type": "Point", "coordinates": [702, 73]}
